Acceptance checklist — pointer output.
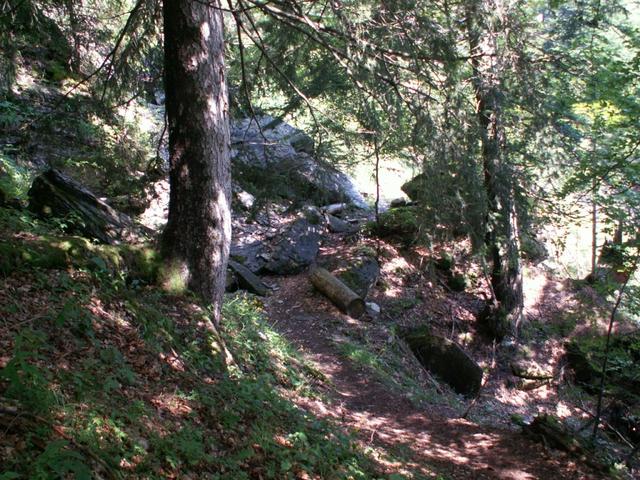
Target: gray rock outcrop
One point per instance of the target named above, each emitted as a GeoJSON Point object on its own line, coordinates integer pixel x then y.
{"type": "Point", "coordinates": [286, 153]}
{"type": "Point", "coordinates": [296, 249]}
{"type": "Point", "coordinates": [362, 275]}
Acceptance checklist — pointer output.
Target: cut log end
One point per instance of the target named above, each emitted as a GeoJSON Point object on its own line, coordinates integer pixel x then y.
{"type": "Point", "coordinates": [356, 308]}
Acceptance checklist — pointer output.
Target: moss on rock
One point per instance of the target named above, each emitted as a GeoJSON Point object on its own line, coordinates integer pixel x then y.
{"type": "Point", "coordinates": [397, 221]}
{"type": "Point", "coordinates": [51, 252]}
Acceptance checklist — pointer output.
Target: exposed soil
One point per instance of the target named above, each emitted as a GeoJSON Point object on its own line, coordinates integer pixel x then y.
{"type": "Point", "coordinates": [433, 439]}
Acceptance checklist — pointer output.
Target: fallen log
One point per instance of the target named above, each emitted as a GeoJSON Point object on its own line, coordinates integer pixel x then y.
{"type": "Point", "coordinates": [53, 194]}
{"type": "Point", "coordinates": [342, 296]}
{"type": "Point", "coordinates": [334, 208]}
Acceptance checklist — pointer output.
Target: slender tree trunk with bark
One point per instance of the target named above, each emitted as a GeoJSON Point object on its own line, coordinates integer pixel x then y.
{"type": "Point", "coordinates": [195, 243]}
{"type": "Point", "coordinates": [594, 231]}
{"type": "Point", "coordinates": [501, 223]}
{"type": "Point", "coordinates": [72, 7]}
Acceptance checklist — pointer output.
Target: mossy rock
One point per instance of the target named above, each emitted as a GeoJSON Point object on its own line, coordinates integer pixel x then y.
{"type": "Point", "coordinates": [445, 359]}
{"type": "Point", "coordinates": [533, 249]}
{"type": "Point", "coordinates": [49, 252]}
{"type": "Point", "coordinates": [397, 221]}
{"type": "Point", "coordinates": [551, 431]}
{"type": "Point", "coordinates": [414, 187]}
{"type": "Point", "coordinates": [362, 275]}
{"type": "Point", "coordinates": [585, 356]}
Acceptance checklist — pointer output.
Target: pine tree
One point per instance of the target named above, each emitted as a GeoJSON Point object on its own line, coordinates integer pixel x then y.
{"type": "Point", "coordinates": [196, 240]}
{"type": "Point", "coordinates": [501, 223]}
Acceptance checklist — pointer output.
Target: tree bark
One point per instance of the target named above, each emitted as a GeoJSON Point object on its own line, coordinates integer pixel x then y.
{"type": "Point", "coordinates": [501, 223]}
{"type": "Point", "coordinates": [195, 243]}
{"type": "Point", "coordinates": [72, 7]}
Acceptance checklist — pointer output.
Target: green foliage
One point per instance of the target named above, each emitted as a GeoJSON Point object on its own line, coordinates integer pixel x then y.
{"type": "Point", "coordinates": [445, 262]}
{"type": "Point", "coordinates": [28, 382]}
{"type": "Point", "coordinates": [237, 421]}
{"type": "Point", "coordinates": [597, 106]}
{"type": "Point", "coordinates": [14, 180]}
{"type": "Point", "coordinates": [631, 304]}
{"type": "Point", "coordinates": [458, 282]}
{"type": "Point", "coordinates": [59, 461]}
{"type": "Point", "coordinates": [185, 448]}
{"type": "Point", "coordinates": [622, 378]}
{"type": "Point", "coordinates": [140, 263]}
{"type": "Point", "coordinates": [402, 221]}
{"type": "Point", "coordinates": [11, 116]}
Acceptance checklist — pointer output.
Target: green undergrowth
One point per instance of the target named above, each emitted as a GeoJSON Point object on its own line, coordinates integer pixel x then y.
{"type": "Point", "coordinates": [105, 147]}
{"type": "Point", "coordinates": [402, 221]}
{"type": "Point", "coordinates": [105, 378]}
{"type": "Point", "coordinates": [586, 354]}
{"type": "Point", "coordinates": [61, 252]}
{"type": "Point", "coordinates": [14, 179]}
{"type": "Point", "coordinates": [39, 244]}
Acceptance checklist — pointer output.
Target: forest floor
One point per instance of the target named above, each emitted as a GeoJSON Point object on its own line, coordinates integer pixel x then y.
{"type": "Point", "coordinates": [429, 434]}
{"type": "Point", "coordinates": [101, 375]}
{"type": "Point", "coordinates": [92, 355]}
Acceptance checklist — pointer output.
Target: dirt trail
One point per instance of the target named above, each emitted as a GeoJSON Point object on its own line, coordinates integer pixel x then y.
{"type": "Point", "coordinates": [428, 441]}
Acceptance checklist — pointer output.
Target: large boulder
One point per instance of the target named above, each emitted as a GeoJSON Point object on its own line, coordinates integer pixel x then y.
{"type": "Point", "coordinates": [252, 254]}
{"type": "Point", "coordinates": [533, 248]}
{"type": "Point", "coordinates": [266, 148]}
{"type": "Point", "coordinates": [414, 187]}
{"type": "Point", "coordinates": [337, 225]}
{"type": "Point", "coordinates": [445, 359]}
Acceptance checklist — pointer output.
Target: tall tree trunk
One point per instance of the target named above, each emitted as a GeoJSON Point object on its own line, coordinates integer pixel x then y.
{"type": "Point", "coordinates": [594, 230]}
{"type": "Point", "coordinates": [501, 223]}
{"type": "Point", "coordinates": [72, 7]}
{"type": "Point", "coordinates": [196, 240]}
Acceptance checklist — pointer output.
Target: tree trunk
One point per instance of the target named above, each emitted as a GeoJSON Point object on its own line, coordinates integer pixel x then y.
{"type": "Point", "coordinates": [501, 223]}
{"type": "Point", "coordinates": [196, 241]}
{"type": "Point", "coordinates": [594, 230]}
{"type": "Point", "coordinates": [72, 7]}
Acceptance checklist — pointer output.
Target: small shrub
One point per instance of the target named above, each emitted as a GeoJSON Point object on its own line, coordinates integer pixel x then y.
{"type": "Point", "coordinates": [27, 382]}
{"type": "Point", "coordinates": [445, 262]}
{"type": "Point", "coordinates": [458, 283]}
{"type": "Point", "coordinates": [14, 180]}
